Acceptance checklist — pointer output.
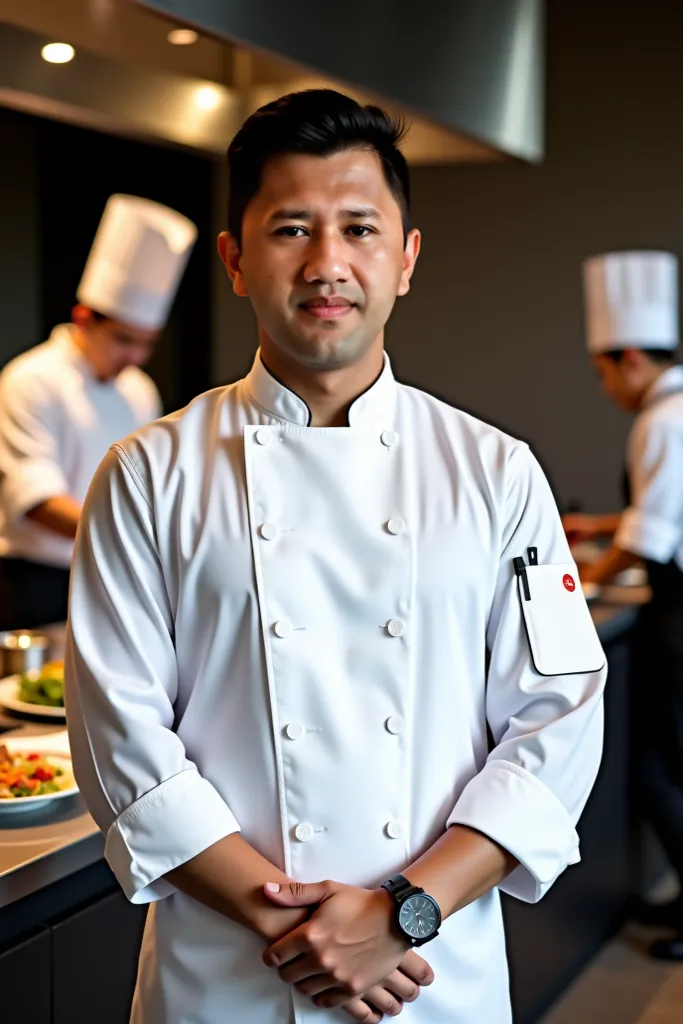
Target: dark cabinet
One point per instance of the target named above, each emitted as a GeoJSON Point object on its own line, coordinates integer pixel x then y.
{"type": "Point", "coordinates": [25, 980]}
{"type": "Point", "coordinates": [94, 962]}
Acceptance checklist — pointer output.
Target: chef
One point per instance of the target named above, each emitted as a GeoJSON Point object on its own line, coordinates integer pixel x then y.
{"type": "Point", "coordinates": [65, 402]}
{"type": "Point", "coordinates": [297, 606]}
{"type": "Point", "coordinates": [632, 326]}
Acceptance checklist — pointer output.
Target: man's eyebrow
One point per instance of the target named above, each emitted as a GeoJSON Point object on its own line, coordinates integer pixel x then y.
{"type": "Point", "coordinates": [362, 213]}
{"type": "Point", "coordinates": [291, 214]}
{"type": "Point", "coordinates": [358, 213]}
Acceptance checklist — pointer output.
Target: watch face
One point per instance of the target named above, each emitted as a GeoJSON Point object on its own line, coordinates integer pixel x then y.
{"type": "Point", "coordinates": [419, 917]}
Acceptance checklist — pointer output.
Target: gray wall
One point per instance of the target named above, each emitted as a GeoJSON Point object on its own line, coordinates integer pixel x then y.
{"type": "Point", "coordinates": [494, 321]}
{"type": "Point", "coordinates": [20, 313]}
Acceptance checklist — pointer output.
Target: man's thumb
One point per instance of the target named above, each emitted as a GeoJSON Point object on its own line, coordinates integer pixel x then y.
{"type": "Point", "coordinates": [296, 894]}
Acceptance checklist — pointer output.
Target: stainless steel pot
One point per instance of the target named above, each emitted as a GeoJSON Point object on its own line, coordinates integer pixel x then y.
{"type": "Point", "coordinates": [22, 650]}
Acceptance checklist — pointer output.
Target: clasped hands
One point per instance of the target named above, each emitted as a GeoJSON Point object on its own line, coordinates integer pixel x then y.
{"type": "Point", "coordinates": [349, 952]}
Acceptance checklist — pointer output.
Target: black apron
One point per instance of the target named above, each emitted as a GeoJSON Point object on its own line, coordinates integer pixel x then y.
{"type": "Point", "coordinates": [658, 700]}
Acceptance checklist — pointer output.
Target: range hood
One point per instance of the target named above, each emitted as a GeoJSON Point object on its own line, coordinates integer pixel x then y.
{"type": "Point", "coordinates": [127, 79]}
{"type": "Point", "coordinates": [475, 67]}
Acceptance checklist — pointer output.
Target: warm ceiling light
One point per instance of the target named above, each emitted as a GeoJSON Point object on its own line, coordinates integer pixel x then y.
{"type": "Point", "coordinates": [182, 37]}
{"type": "Point", "coordinates": [207, 97]}
{"type": "Point", "coordinates": [58, 53]}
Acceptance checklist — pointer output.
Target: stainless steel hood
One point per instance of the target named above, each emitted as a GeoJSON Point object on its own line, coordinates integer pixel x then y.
{"type": "Point", "coordinates": [474, 66]}
{"type": "Point", "coordinates": [474, 94]}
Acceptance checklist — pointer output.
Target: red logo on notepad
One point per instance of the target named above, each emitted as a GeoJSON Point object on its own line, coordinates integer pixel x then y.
{"type": "Point", "coordinates": [569, 583]}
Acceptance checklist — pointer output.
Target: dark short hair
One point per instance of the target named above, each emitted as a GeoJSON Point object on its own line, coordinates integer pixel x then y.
{"type": "Point", "coordinates": [316, 122]}
{"type": "Point", "coordinates": [660, 356]}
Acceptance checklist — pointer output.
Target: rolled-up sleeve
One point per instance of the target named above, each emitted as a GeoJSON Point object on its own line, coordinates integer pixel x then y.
{"type": "Point", "coordinates": [30, 471]}
{"type": "Point", "coordinates": [151, 802]}
{"type": "Point", "coordinates": [652, 526]}
{"type": "Point", "coordinates": [547, 730]}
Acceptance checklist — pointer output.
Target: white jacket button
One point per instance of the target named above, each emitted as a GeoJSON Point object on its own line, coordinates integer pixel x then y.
{"type": "Point", "coordinates": [264, 435]}
{"type": "Point", "coordinates": [395, 627]}
{"type": "Point", "coordinates": [389, 438]}
{"type": "Point", "coordinates": [303, 832]}
{"type": "Point", "coordinates": [396, 526]}
{"type": "Point", "coordinates": [393, 829]}
{"type": "Point", "coordinates": [269, 531]}
{"type": "Point", "coordinates": [394, 725]}
{"type": "Point", "coordinates": [283, 629]}
{"type": "Point", "coordinates": [294, 731]}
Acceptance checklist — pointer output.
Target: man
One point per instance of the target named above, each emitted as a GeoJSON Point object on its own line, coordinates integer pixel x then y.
{"type": "Point", "coordinates": [632, 312]}
{"type": "Point", "coordinates": [294, 613]}
{"type": "Point", "coordinates": [65, 402]}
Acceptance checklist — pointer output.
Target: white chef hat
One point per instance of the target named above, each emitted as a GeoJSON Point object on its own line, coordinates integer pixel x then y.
{"type": "Point", "coordinates": [136, 261]}
{"type": "Point", "coordinates": [631, 301]}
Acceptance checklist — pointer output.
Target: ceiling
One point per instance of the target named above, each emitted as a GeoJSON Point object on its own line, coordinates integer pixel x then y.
{"type": "Point", "coordinates": [118, 36]}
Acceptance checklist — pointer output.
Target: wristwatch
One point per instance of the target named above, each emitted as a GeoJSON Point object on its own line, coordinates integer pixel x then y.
{"type": "Point", "coordinates": [417, 915]}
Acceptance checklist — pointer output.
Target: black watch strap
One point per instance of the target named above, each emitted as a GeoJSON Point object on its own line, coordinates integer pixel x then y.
{"type": "Point", "coordinates": [398, 886]}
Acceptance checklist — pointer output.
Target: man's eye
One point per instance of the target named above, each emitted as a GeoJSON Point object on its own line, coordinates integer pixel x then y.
{"type": "Point", "coordinates": [360, 230]}
{"type": "Point", "coordinates": [290, 231]}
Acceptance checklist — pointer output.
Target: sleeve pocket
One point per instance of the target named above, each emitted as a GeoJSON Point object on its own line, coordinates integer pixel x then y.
{"type": "Point", "coordinates": [562, 636]}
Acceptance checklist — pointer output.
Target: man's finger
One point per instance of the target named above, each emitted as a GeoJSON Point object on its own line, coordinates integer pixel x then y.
{"type": "Point", "coordinates": [402, 986]}
{"type": "Point", "coordinates": [305, 967]}
{"type": "Point", "coordinates": [381, 999]}
{"type": "Point", "coordinates": [297, 894]}
{"type": "Point", "coordinates": [359, 1010]}
{"type": "Point", "coordinates": [416, 968]}
{"type": "Point", "coordinates": [286, 949]}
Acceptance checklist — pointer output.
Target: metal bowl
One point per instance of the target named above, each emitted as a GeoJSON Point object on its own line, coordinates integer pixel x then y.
{"type": "Point", "coordinates": [22, 650]}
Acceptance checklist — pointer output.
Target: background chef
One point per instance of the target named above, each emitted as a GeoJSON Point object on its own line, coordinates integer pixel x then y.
{"type": "Point", "coordinates": [632, 320]}
{"type": "Point", "coordinates": [63, 403]}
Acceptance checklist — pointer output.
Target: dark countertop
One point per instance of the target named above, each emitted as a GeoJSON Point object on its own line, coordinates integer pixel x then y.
{"type": "Point", "coordinates": [38, 849]}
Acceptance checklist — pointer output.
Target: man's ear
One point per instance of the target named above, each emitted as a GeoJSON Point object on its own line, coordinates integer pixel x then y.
{"type": "Point", "coordinates": [229, 252]}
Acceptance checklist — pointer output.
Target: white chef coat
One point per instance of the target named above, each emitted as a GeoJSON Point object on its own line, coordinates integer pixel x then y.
{"type": "Point", "coordinates": [652, 526]}
{"type": "Point", "coordinates": [57, 422]}
{"type": "Point", "coordinates": [284, 629]}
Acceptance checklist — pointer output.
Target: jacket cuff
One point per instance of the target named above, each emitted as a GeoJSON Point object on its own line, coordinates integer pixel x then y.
{"type": "Point", "coordinates": [647, 535]}
{"type": "Point", "coordinates": [514, 809]}
{"type": "Point", "coordinates": [30, 484]}
{"type": "Point", "coordinates": [162, 830]}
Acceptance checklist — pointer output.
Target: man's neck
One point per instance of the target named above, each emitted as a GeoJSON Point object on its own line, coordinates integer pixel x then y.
{"type": "Point", "coordinates": [329, 394]}
{"type": "Point", "coordinates": [656, 374]}
{"type": "Point", "coordinates": [81, 342]}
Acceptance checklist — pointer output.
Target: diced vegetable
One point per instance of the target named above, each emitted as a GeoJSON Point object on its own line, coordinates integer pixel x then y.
{"type": "Point", "coordinates": [23, 775]}
{"type": "Point", "coordinates": [45, 687]}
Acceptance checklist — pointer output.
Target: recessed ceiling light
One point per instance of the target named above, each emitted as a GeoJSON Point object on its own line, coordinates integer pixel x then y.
{"type": "Point", "coordinates": [182, 37]}
{"type": "Point", "coordinates": [58, 53]}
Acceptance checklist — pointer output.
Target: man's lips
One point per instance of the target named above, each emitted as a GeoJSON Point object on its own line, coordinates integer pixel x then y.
{"type": "Point", "coordinates": [327, 309]}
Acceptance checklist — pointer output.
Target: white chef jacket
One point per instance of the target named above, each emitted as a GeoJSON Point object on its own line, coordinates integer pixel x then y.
{"type": "Point", "coordinates": [652, 526]}
{"type": "Point", "coordinates": [57, 422]}
{"type": "Point", "coordinates": [284, 630]}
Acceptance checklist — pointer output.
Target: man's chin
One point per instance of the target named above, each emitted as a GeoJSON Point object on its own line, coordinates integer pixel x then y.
{"type": "Point", "coordinates": [327, 354]}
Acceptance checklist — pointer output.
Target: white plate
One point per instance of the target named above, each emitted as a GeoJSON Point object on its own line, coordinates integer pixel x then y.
{"type": "Point", "coordinates": [633, 577]}
{"type": "Point", "coordinates": [9, 690]}
{"type": "Point", "coordinates": [35, 803]}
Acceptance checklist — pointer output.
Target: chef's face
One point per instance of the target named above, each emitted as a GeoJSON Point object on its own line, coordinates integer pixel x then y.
{"type": "Point", "coordinates": [112, 346]}
{"type": "Point", "coordinates": [625, 380]}
{"type": "Point", "coordinates": [322, 258]}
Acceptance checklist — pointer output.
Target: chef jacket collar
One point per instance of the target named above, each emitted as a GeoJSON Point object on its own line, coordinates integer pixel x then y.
{"type": "Point", "coordinates": [669, 381]}
{"type": "Point", "coordinates": [376, 405]}
{"type": "Point", "coordinates": [62, 337]}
